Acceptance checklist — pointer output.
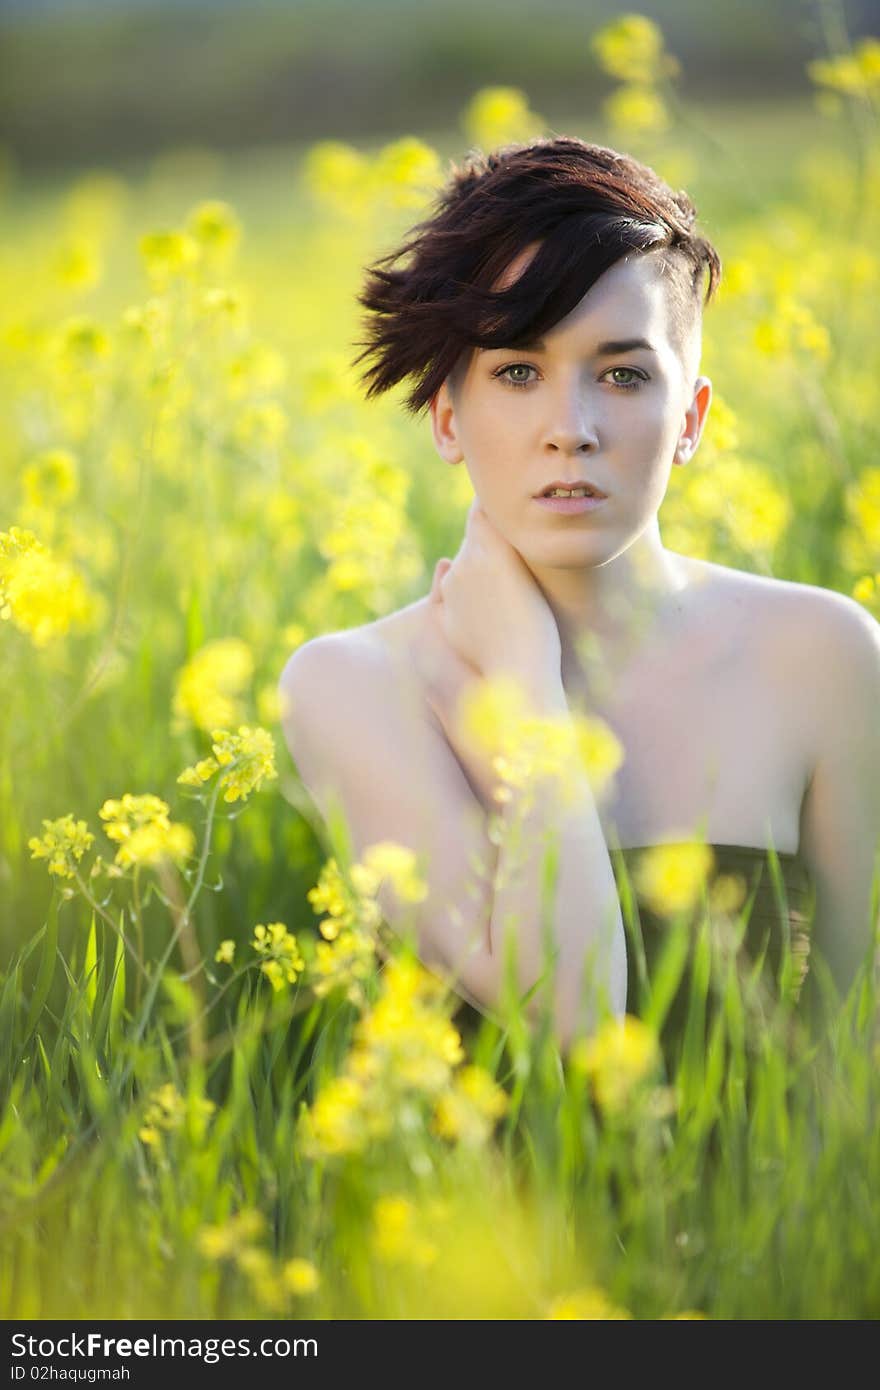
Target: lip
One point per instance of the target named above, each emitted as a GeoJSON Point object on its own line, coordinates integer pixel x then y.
{"type": "Point", "coordinates": [571, 505]}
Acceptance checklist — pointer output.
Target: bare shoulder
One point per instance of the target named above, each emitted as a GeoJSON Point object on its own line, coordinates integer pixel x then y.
{"type": "Point", "coordinates": [364, 671]}
{"type": "Point", "coordinates": [793, 615]}
{"type": "Point", "coordinates": [368, 650]}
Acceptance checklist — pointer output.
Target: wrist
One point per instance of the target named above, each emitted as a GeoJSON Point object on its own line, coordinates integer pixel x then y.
{"type": "Point", "coordinates": [542, 689]}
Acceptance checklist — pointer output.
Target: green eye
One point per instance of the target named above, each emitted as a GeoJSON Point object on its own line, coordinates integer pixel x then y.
{"type": "Point", "coordinates": [632, 385]}
{"type": "Point", "coordinates": [513, 367]}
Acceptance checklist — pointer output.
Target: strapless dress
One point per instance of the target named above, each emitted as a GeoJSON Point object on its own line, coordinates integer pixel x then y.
{"type": "Point", "coordinates": [765, 933]}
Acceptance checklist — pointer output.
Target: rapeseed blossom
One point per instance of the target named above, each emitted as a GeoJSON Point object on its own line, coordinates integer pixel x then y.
{"type": "Point", "coordinates": [51, 479]}
{"type": "Point", "coordinates": [631, 48]}
{"type": "Point", "coordinates": [216, 228]}
{"type": "Point", "coordinates": [282, 961]}
{"type": "Point", "coordinates": [237, 1233]}
{"type": "Point", "coordinates": [167, 1111]}
{"type": "Point", "coordinates": [497, 115]}
{"type": "Point", "coordinates": [343, 964]}
{"type": "Point", "coordinates": [387, 860]}
{"type": "Point", "coordinates": [64, 842]}
{"type": "Point", "coordinates": [671, 877]}
{"type": "Point", "coordinates": [624, 1053]}
{"type": "Point", "coordinates": [469, 1109]}
{"type": "Point", "coordinates": [41, 594]}
{"type": "Point", "coordinates": [144, 831]}
{"type": "Point", "coordinates": [168, 253]}
{"type": "Point", "coordinates": [397, 1233]}
{"type": "Point", "coordinates": [524, 747]}
{"type": "Point", "coordinates": [300, 1277]}
{"type": "Point", "coordinates": [400, 1074]}
{"type": "Point", "coordinates": [855, 74]}
{"type": "Point", "coordinates": [633, 109]}
{"type": "Point", "coordinates": [247, 756]}
{"type": "Point", "coordinates": [209, 689]}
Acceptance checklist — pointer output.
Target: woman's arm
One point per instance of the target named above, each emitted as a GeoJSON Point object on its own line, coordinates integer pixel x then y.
{"type": "Point", "coordinates": [840, 815]}
{"type": "Point", "coordinates": [359, 737]}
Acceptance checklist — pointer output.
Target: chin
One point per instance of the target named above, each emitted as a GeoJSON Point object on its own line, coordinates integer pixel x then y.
{"type": "Point", "coordinates": [582, 549]}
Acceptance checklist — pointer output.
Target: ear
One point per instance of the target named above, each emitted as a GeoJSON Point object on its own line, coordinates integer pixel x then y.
{"type": "Point", "coordinates": [444, 427]}
{"type": "Point", "coordinates": [694, 420]}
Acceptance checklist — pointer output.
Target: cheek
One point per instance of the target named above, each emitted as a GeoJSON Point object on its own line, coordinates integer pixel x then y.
{"type": "Point", "coordinates": [657, 426]}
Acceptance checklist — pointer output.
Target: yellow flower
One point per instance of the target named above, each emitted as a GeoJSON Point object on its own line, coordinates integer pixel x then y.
{"type": "Point", "coordinates": [52, 480]}
{"type": "Point", "coordinates": [470, 1108]}
{"type": "Point", "coordinates": [152, 844]}
{"type": "Point", "coordinates": [396, 1234]}
{"type": "Point", "coordinates": [282, 961]}
{"type": "Point", "coordinates": [199, 773]}
{"type": "Point", "coordinates": [525, 748]}
{"type": "Point", "coordinates": [225, 952]}
{"type": "Point", "coordinates": [855, 74]}
{"type": "Point", "coordinates": [387, 859]}
{"type": "Point", "coordinates": [338, 1120]}
{"type": "Point", "coordinates": [81, 341]}
{"type": "Point", "coordinates": [226, 1241]}
{"type": "Point", "coordinates": [727, 894]}
{"type": "Point", "coordinates": [77, 264]}
{"type": "Point", "coordinates": [358, 908]}
{"type": "Point", "coordinates": [867, 589]}
{"type": "Point", "coordinates": [41, 595]}
{"type": "Point", "coordinates": [63, 843]}
{"type": "Point", "coordinates": [223, 306]}
{"type": "Point", "coordinates": [406, 171]}
{"type": "Point", "coordinates": [209, 687]}
{"type": "Point", "coordinates": [631, 48]}
{"type": "Point", "coordinates": [248, 757]}
{"type": "Point", "coordinates": [623, 1053]}
{"type": "Point", "coordinates": [634, 109]}
{"type": "Point", "coordinates": [215, 227]}
{"type": "Point", "coordinates": [343, 964]}
{"type": "Point", "coordinates": [148, 323]}
{"type": "Point", "coordinates": [587, 1304]}
{"type": "Point", "coordinates": [167, 1110]}
{"type": "Point", "coordinates": [140, 824]}
{"type": "Point", "coordinates": [500, 115]}
{"type": "Point", "coordinates": [168, 253]}
{"type": "Point", "coordinates": [338, 175]}
{"type": "Point", "coordinates": [670, 877]}
{"type": "Point", "coordinates": [300, 1276]}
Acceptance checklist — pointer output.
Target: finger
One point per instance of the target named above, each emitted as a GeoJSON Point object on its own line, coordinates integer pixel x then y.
{"type": "Point", "coordinates": [440, 569]}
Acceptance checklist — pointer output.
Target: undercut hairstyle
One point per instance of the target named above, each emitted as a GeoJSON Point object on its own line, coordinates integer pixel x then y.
{"type": "Point", "coordinates": [587, 205]}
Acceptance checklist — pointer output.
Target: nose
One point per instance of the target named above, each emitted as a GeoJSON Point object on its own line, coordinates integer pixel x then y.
{"type": "Point", "coordinates": [572, 430]}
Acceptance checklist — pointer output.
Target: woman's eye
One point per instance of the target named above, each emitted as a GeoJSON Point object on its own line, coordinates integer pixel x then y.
{"type": "Point", "coordinates": [631, 372]}
{"type": "Point", "coordinates": [514, 367]}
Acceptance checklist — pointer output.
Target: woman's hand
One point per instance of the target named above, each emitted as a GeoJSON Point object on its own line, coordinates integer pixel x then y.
{"type": "Point", "coordinates": [492, 611]}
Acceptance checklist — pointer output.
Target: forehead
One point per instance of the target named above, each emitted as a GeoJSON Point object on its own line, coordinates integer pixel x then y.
{"type": "Point", "coordinates": [632, 295]}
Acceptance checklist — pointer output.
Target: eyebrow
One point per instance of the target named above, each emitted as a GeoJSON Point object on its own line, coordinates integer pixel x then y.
{"type": "Point", "coordinates": [609, 349]}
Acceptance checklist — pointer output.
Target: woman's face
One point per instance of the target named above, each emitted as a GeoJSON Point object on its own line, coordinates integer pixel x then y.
{"type": "Point", "coordinates": [612, 415]}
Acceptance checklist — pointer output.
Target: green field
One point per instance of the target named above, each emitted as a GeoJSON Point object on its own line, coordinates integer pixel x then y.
{"type": "Point", "coordinates": [192, 485]}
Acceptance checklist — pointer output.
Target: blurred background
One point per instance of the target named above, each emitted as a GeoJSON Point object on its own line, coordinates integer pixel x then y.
{"type": "Point", "coordinates": [118, 80]}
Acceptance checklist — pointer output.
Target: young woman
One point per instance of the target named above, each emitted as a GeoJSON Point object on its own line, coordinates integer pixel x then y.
{"type": "Point", "coordinates": [550, 316]}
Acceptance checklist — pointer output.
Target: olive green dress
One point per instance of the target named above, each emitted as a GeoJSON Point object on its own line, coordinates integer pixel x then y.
{"type": "Point", "coordinates": [765, 932]}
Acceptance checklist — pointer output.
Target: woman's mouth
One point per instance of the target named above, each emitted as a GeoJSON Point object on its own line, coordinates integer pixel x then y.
{"type": "Point", "coordinates": [571, 504]}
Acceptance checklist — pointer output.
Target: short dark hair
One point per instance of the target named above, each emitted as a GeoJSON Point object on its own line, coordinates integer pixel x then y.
{"type": "Point", "coordinates": [587, 205]}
